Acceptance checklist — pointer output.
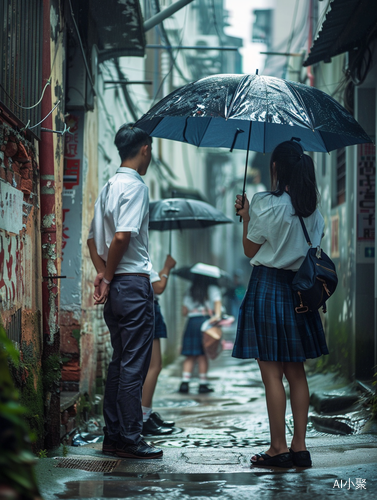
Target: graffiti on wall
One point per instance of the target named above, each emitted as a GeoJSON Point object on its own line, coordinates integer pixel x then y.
{"type": "Point", "coordinates": [11, 270]}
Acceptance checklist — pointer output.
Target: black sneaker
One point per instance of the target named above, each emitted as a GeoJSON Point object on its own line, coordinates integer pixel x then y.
{"type": "Point", "coordinates": [156, 417]}
{"type": "Point", "coordinates": [139, 450]}
{"type": "Point", "coordinates": [150, 428]}
{"type": "Point", "coordinates": [204, 389]}
{"type": "Point", "coordinates": [184, 387]}
{"type": "Point", "coordinates": [108, 445]}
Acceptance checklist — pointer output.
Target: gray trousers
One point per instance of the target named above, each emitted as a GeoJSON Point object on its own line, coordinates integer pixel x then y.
{"type": "Point", "coordinates": [129, 315]}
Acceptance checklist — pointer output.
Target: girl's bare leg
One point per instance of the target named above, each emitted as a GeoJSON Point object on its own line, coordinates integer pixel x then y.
{"type": "Point", "coordinates": [296, 376]}
{"type": "Point", "coordinates": [152, 375]}
{"type": "Point", "coordinates": [188, 364]}
{"type": "Point", "coordinates": [203, 364]}
{"type": "Point", "coordinates": [272, 376]}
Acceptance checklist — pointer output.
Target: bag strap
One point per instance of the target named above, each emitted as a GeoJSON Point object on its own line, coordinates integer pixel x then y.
{"type": "Point", "coordinates": [305, 231]}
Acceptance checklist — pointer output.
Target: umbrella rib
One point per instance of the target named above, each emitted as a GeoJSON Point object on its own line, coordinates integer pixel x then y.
{"type": "Point", "coordinates": [320, 135]}
{"type": "Point", "coordinates": [204, 133]}
{"type": "Point", "coordinates": [299, 98]}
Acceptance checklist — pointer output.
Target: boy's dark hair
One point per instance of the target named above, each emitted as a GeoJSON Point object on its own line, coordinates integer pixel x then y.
{"type": "Point", "coordinates": [129, 140]}
{"type": "Point", "coordinates": [296, 170]}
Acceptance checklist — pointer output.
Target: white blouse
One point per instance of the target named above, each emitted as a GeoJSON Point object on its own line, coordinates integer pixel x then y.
{"type": "Point", "coordinates": [274, 226]}
{"type": "Point", "coordinates": [197, 309]}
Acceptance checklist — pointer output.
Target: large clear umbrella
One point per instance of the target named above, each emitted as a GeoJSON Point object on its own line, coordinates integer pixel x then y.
{"type": "Point", "coordinates": [252, 112]}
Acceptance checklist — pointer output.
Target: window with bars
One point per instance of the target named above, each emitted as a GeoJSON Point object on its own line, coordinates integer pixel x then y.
{"type": "Point", "coordinates": [340, 176]}
{"type": "Point", "coordinates": [21, 59]}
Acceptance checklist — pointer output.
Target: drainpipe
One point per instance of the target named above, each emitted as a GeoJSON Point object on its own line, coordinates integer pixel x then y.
{"type": "Point", "coordinates": [164, 14]}
{"type": "Point", "coordinates": [50, 317]}
{"type": "Point", "coordinates": [310, 42]}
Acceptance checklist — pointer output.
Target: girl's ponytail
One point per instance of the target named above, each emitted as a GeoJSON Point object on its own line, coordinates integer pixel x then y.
{"type": "Point", "coordinates": [295, 174]}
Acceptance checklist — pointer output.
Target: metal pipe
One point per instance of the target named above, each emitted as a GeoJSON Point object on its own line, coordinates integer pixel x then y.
{"type": "Point", "coordinates": [128, 82]}
{"type": "Point", "coordinates": [164, 14]}
{"type": "Point", "coordinates": [285, 54]}
{"type": "Point", "coordinates": [193, 47]}
{"type": "Point", "coordinates": [48, 204]}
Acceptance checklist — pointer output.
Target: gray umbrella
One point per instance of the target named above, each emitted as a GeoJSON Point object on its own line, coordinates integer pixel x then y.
{"type": "Point", "coordinates": [183, 213]}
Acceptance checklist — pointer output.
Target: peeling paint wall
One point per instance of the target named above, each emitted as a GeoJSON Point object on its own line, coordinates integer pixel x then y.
{"type": "Point", "coordinates": [349, 322]}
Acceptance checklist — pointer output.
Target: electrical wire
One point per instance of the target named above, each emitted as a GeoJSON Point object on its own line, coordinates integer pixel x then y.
{"type": "Point", "coordinates": [82, 49]}
{"type": "Point", "coordinates": [27, 107]}
{"type": "Point", "coordinates": [290, 39]}
{"type": "Point", "coordinates": [219, 33]}
{"type": "Point", "coordinates": [43, 119]}
{"type": "Point", "coordinates": [165, 38]}
{"type": "Point", "coordinates": [44, 88]}
{"type": "Point", "coordinates": [173, 62]}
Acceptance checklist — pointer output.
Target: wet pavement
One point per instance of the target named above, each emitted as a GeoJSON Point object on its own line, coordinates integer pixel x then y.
{"type": "Point", "coordinates": [208, 454]}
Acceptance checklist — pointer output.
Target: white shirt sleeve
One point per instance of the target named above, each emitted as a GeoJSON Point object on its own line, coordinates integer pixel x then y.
{"type": "Point", "coordinates": [258, 219]}
{"type": "Point", "coordinates": [91, 233]}
{"type": "Point", "coordinates": [155, 276]}
{"type": "Point", "coordinates": [133, 207]}
{"type": "Point", "coordinates": [214, 294]}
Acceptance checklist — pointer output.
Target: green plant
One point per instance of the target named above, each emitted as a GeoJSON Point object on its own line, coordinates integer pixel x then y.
{"type": "Point", "coordinates": [42, 454]}
{"type": "Point", "coordinates": [16, 459]}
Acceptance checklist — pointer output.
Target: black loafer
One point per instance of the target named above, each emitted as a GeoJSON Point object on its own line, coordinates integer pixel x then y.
{"type": "Point", "coordinates": [204, 389]}
{"type": "Point", "coordinates": [150, 428]}
{"type": "Point", "coordinates": [140, 450]}
{"type": "Point", "coordinates": [156, 417]}
{"type": "Point", "coordinates": [108, 445]}
{"type": "Point", "coordinates": [301, 458]}
{"type": "Point", "coordinates": [184, 387]}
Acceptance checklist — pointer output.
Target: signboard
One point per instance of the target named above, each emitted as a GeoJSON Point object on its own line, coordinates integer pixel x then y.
{"type": "Point", "coordinates": [11, 207]}
{"type": "Point", "coordinates": [366, 185]}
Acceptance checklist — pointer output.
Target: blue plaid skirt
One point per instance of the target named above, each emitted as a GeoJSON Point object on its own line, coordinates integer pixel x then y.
{"type": "Point", "coordinates": [192, 338]}
{"type": "Point", "coordinates": [160, 331]}
{"type": "Point", "coordinates": [269, 327]}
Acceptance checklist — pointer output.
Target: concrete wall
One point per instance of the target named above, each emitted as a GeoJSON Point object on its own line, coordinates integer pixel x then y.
{"type": "Point", "coordinates": [20, 265]}
{"type": "Point", "coordinates": [349, 323]}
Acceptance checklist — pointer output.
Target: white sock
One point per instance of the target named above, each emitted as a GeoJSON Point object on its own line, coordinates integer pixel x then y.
{"type": "Point", "coordinates": [203, 378]}
{"type": "Point", "coordinates": [186, 377]}
{"type": "Point", "coordinates": [146, 413]}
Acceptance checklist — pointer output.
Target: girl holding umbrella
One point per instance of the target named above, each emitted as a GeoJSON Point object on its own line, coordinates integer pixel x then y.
{"type": "Point", "coordinates": [269, 329]}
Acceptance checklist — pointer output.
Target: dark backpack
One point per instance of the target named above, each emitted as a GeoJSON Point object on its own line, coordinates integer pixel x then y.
{"type": "Point", "coordinates": [316, 279]}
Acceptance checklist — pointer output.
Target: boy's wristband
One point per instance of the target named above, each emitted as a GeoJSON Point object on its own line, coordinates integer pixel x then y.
{"type": "Point", "coordinates": [106, 281]}
{"type": "Point", "coordinates": [164, 276]}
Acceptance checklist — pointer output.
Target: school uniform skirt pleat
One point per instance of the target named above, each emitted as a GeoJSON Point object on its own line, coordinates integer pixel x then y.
{"type": "Point", "coordinates": [160, 330]}
{"type": "Point", "coordinates": [192, 338]}
{"type": "Point", "coordinates": [269, 327]}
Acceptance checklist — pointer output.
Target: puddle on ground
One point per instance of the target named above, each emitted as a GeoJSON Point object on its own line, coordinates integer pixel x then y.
{"type": "Point", "coordinates": [240, 486]}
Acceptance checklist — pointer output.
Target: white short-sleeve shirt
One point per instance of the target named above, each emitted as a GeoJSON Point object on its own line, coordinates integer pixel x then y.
{"type": "Point", "coordinates": [197, 309]}
{"type": "Point", "coordinates": [123, 206]}
{"type": "Point", "coordinates": [274, 226]}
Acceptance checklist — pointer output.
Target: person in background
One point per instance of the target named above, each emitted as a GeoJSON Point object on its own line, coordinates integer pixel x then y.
{"type": "Point", "coordinates": [201, 302]}
{"type": "Point", "coordinates": [152, 421]}
{"type": "Point", "coordinates": [254, 181]}
{"type": "Point", "coordinates": [269, 329]}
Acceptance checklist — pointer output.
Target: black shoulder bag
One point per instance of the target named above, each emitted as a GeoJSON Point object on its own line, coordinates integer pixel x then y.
{"type": "Point", "coordinates": [316, 279]}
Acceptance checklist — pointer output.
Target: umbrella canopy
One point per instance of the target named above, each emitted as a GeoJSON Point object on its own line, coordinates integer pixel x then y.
{"type": "Point", "coordinates": [183, 213]}
{"type": "Point", "coordinates": [215, 275]}
{"type": "Point", "coordinates": [252, 112]}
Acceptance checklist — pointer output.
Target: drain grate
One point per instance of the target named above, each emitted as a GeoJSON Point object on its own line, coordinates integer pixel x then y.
{"type": "Point", "coordinates": [88, 465]}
